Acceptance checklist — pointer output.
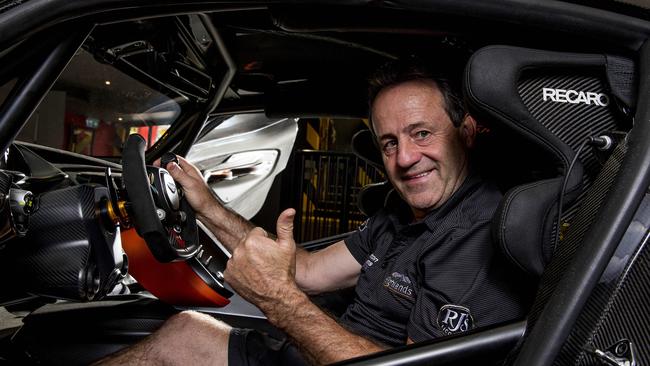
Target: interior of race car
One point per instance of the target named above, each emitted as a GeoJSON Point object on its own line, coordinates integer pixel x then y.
{"type": "Point", "coordinates": [100, 244]}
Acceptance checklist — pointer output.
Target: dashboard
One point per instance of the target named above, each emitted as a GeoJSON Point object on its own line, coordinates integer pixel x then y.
{"type": "Point", "coordinates": [68, 233]}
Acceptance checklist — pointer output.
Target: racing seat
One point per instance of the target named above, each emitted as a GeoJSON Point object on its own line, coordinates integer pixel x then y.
{"type": "Point", "coordinates": [560, 100]}
{"type": "Point", "coordinates": [540, 107]}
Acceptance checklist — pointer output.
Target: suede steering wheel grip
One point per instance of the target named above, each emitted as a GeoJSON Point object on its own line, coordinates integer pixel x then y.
{"type": "Point", "coordinates": [147, 224]}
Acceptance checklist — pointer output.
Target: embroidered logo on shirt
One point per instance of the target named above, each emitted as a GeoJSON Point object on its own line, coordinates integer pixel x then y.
{"type": "Point", "coordinates": [455, 319]}
{"type": "Point", "coordinates": [364, 225]}
{"type": "Point", "coordinates": [370, 261]}
{"type": "Point", "coordinates": [399, 284]}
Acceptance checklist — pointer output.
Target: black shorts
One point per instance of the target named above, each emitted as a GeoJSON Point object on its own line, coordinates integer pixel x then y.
{"type": "Point", "coordinates": [248, 347]}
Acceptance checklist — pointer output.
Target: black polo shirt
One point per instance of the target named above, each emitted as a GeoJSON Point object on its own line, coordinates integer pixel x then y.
{"type": "Point", "coordinates": [439, 276]}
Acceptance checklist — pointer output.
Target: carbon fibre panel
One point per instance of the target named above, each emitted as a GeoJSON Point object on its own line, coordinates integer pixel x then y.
{"type": "Point", "coordinates": [618, 307]}
{"type": "Point", "coordinates": [67, 252]}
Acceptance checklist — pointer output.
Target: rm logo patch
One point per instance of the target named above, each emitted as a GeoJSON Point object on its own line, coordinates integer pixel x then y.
{"type": "Point", "coordinates": [454, 319]}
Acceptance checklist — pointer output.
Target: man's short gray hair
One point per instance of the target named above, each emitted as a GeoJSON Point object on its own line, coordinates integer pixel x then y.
{"type": "Point", "coordinates": [412, 68]}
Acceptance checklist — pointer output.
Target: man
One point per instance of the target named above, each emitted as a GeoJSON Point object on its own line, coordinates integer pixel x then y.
{"type": "Point", "coordinates": [424, 267]}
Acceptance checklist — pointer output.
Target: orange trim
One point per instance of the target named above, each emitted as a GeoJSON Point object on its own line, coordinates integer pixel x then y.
{"type": "Point", "coordinates": [174, 283]}
{"type": "Point", "coordinates": [112, 214]}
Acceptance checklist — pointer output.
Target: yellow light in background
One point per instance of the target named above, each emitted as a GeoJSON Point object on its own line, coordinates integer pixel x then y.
{"type": "Point", "coordinates": [120, 118]}
{"type": "Point", "coordinates": [107, 82]}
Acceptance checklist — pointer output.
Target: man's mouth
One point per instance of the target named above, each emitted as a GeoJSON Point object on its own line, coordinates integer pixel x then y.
{"type": "Point", "coordinates": [416, 176]}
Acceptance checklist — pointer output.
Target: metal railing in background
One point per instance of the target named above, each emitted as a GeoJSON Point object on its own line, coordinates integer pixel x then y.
{"type": "Point", "coordinates": [326, 201]}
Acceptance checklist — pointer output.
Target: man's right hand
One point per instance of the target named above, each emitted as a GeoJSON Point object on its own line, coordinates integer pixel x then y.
{"type": "Point", "coordinates": [229, 227]}
{"type": "Point", "coordinates": [197, 192]}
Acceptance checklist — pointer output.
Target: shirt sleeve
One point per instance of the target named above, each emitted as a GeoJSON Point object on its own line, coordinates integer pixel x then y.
{"type": "Point", "coordinates": [360, 243]}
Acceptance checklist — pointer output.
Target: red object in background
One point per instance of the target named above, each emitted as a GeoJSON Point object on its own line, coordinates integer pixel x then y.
{"type": "Point", "coordinates": [149, 133]}
{"type": "Point", "coordinates": [174, 283]}
{"type": "Point", "coordinates": [105, 136]}
{"type": "Point", "coordinates": [80, 138]}
{"type": "Point", "coordinates": [144, 132]}
{"type": "Point", "coordinates": [72, 120]}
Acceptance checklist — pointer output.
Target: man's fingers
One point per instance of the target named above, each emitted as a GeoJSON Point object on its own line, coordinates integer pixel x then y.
{"type": "Point", "coordinates": [285, 226]}
{"type": "Point", "coordinates": [188, 167]}
{"type": "Point", "coordinates": [179, 175]}
{"type": "Point", "coordinates": [183, 172]}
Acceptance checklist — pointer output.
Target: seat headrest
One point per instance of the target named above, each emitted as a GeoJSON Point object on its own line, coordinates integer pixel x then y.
{"type": "Point", "coordinates": [372, 197]}
{"type": "Point", "coordinates": [364, 146]}
{"type": "Point", "coordinates": [540, 106]}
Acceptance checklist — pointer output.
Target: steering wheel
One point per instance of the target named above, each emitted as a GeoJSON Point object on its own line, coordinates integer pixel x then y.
{"type": "Point", "coordinates": [161, 214]}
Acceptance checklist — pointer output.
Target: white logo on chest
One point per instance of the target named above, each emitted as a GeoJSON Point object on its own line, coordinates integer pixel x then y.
{"type": "Point", "coordinates": [455, 319]}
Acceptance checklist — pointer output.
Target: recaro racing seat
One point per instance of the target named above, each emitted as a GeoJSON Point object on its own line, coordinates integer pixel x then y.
{"type": "Point", "coordinates": [558, 100]}
{"type": "Point", "coordinates": [540, 108]}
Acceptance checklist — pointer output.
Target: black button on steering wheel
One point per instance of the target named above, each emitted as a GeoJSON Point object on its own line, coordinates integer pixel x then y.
{"type": "Point", "coordinates": [161, 215]}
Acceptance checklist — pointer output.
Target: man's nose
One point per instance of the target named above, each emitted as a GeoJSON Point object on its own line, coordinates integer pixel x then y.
{"type": "Point", "coordinates": [408, 153]}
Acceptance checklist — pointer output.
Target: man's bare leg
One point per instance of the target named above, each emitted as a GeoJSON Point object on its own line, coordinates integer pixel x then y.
{"type": "Point", "coordinates": [187, 338]}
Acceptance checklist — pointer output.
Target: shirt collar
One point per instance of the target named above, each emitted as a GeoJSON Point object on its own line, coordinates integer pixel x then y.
{"type": "Point", "coordinates": [469, 184]}
{"type": "Point", "coordinates": [401, 215]}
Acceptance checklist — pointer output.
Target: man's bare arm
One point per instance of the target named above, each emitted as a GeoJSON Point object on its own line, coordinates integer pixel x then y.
{"type": "Point", "coordinates": [227, 225]}
{"type": "Point", "coordinates": [326, 270]}
{"type": "Point", "coordinates": [320, 337]}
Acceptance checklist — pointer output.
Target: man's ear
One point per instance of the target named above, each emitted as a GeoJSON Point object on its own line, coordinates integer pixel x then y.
{"type": "Point", "coordinates": [468, 130]}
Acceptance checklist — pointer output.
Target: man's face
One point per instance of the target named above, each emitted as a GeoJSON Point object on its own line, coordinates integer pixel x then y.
{"type": "Point", "coordinates": [425, 156]}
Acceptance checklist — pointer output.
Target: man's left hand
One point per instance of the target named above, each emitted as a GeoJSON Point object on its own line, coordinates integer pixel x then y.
{"type": "Point", "coordinates": [262, 270]}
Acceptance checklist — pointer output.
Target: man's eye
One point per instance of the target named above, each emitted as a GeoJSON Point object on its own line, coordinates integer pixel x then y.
{"type": "Point", "coordinates": [420, 135]}
{"type": "Point", "coordinates": [389, 147]}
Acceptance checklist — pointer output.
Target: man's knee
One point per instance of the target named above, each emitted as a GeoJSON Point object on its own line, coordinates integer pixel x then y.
{"type": "Point", "coordinates": [187, 338]}
{"type": "Point", "coordinates": [195, 324]}
{"type": "Point", "coordinates": [195, 338]}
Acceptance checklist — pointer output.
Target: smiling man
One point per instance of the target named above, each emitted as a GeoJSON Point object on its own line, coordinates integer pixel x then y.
{"type": "Point", "coordinates": [425, 153]}
{"type": "Point", "coordinates": [423, 267]}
